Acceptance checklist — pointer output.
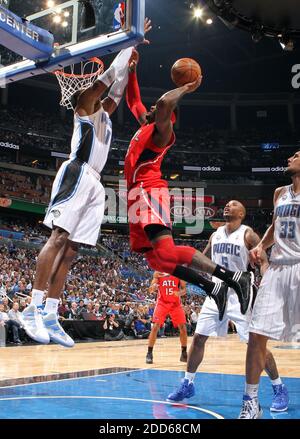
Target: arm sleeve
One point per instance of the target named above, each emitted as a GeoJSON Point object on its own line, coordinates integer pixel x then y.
{"type": "Point", "coordinates": [133, 97]}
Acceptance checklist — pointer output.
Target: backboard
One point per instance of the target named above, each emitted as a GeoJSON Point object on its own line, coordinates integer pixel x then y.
{"type": "Point", "coordinates": [81, 29]}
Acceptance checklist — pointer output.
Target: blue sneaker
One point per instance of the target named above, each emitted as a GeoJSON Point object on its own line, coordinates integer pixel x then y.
{"type": "Point", "coordinates": [186, 390]}
{"type": "Point", "coordinates": [280, 401]}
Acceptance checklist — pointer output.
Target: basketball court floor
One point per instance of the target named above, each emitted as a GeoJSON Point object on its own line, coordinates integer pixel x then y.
{"type": "Point", "coordinates": [111, 381]}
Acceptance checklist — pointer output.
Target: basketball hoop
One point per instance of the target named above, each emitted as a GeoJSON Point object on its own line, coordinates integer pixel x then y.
{"type": "Point", "coordinates": [77, 77]}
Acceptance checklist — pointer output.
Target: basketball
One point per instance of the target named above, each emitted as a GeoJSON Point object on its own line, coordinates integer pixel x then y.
{"type": "Point", "coordinates": [184, 71]}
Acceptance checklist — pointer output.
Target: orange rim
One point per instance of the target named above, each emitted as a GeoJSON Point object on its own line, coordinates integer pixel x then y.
{"type": "Point", "coordinates": [88, 75]}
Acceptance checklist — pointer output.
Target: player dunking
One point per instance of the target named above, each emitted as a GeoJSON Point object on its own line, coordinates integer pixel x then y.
{"type": "Point", "coordinates": [76, 207]}
{"type": "Point", "coordinates": [148, 200]}
{"type": "Point", "coordinates": [229, 246]}
{"type": "Point", "coordinates": [276, 312]}
{"type": "Point", "coordinates": [169, 290]}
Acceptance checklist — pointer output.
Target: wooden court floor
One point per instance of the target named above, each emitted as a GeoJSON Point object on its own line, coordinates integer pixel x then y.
{"type": "Point", "coordinates": [222, 356]}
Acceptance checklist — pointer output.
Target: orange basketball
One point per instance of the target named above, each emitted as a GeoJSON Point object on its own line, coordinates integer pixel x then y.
{"type": "Point", "coordinates": [185, 70]}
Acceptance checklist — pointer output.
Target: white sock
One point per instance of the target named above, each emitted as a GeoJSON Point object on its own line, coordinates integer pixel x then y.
{"type": "Point", "coordinates": [276, 382]}
{"type": "Point", "coordinates": [190, 376]}
{"type": "Point", "coordinates": [251, 390]}
{"type": "Point", "coordinates": [37, 297]}
{"type": "Point", "coordinates": [51, 305]}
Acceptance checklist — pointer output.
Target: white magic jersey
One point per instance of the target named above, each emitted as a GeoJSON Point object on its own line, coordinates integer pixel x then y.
{"type": "Point", "coordinates": [91, 139]}
{"type": "Point", "coordinates": [286, 249]}
{"type": "Point", "coordinates": [230, 251]}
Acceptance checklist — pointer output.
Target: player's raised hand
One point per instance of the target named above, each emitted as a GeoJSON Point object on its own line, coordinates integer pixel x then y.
{"type": "Point", "coordinates": [192, 86]}
{"type": "Point", "coordinates": [134, 59]}
{"type": "Point", "coordinates": [256, 255]}
{"type": "Point", "coordinates": [147, 28]}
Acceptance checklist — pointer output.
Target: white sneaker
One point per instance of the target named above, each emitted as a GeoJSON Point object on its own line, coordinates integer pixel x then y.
{"type": "Point", "coordinates": [56, 332]}
{"type": "Point", "coordinates": [33, 325]}
{"type": "Point", "coordinates": [251, 408]}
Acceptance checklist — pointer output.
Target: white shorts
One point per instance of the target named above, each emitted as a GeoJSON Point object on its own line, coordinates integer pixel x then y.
{"type": "Point", "coordinates": [77, 202]}
{"type": "Point", "coordinates": [276, 312]}
{"type": "Point", "coordinates": [209, 324]}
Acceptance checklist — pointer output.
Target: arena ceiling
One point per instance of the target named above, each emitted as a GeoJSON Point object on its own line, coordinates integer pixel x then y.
{"type": "Point", "coordinates": [230, 59]}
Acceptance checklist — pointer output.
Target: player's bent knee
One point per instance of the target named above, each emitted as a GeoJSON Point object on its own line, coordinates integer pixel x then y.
{"type": "Point", "coordinates": [152, 260]}
{"type": "Point", "coordinates": [59, 237]}
{"type": "Point", "coordinates": [157, 262]}
{"type": "Point", "coordinates": [166, 255]}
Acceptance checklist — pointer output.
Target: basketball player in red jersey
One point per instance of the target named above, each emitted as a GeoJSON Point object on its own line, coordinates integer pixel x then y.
{"type": "Point", "coordinates": [169, 290]}
{"type": "Point", "coordinates": [148, 200]}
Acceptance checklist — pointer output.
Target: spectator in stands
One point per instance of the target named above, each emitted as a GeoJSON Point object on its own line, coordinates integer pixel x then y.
{"type": "Point", "coordinates": [97, 311]}
{"type": "Point", "coordinates": [140, 326]}
{"type": "Point", "coordinates": [72, 314]}
{"type": "Point", "coordinates": [22, 305]}
{"type": "Point", "coordinates": [5, 304]}
{"type": "Point", "coordinates": [89, 308]}
{"type": "Point", "coordinates": [63, 309]}
{"type": "Point", "coordinates": [11, 325]}
{"type": "Point", "coordinates": [81, 309]}
{"type": "Point", "coordinates": [14, 314]}
{"type": "Point", "coordinates": [112, 330]}
{"type": "Point", "coordinates": [71, 297]}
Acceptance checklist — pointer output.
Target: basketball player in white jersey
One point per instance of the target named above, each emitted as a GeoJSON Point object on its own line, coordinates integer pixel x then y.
{"type": "Point", "coordinates": [77, 202]}
{"type": "Point", "coordinates": [276, 312]}
{"type": "Point", "coordinates": [229, 246]}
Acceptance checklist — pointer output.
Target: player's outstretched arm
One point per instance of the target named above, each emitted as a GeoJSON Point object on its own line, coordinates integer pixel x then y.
{"type": "Point", "coordinates": [207, 249]}
{"type": "Point", "coordinates": [252, 240]}
{"type": "Point", "coordinates": [112, 101]}
{"type": "Point", "coordinates": [182, 288]}
{"type": "Point", "coordinates": [256, 254]}
{"type": "Point", "coordinates": [153, 285]}
{"type": "Point", "coordinates": [164, 109]}
{"type": "Point", "coordinates": [133, 94]}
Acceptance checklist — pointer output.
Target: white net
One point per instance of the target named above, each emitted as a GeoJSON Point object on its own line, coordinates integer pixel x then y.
{"type": "Point", "coordinates": [77, 77]}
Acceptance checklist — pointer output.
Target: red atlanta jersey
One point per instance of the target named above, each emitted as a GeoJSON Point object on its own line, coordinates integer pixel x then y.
{"type": "Point", "coordinates": [167, 287]}
{"type": "Point", "coordinates": [143, 160]}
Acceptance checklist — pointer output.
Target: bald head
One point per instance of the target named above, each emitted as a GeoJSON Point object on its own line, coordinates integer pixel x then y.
{"type": "Point", "coordinates": [234, 210]}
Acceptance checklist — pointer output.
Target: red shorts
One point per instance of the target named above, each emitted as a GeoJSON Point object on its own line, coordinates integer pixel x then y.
{"type": "Point", "coordinates": [145, 207]}
{"type": "Point", "coordinates": [175, 311]}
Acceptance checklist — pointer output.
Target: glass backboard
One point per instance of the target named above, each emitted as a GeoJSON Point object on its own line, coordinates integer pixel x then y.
{"type": "Point", "coordinates": [79, 27]}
